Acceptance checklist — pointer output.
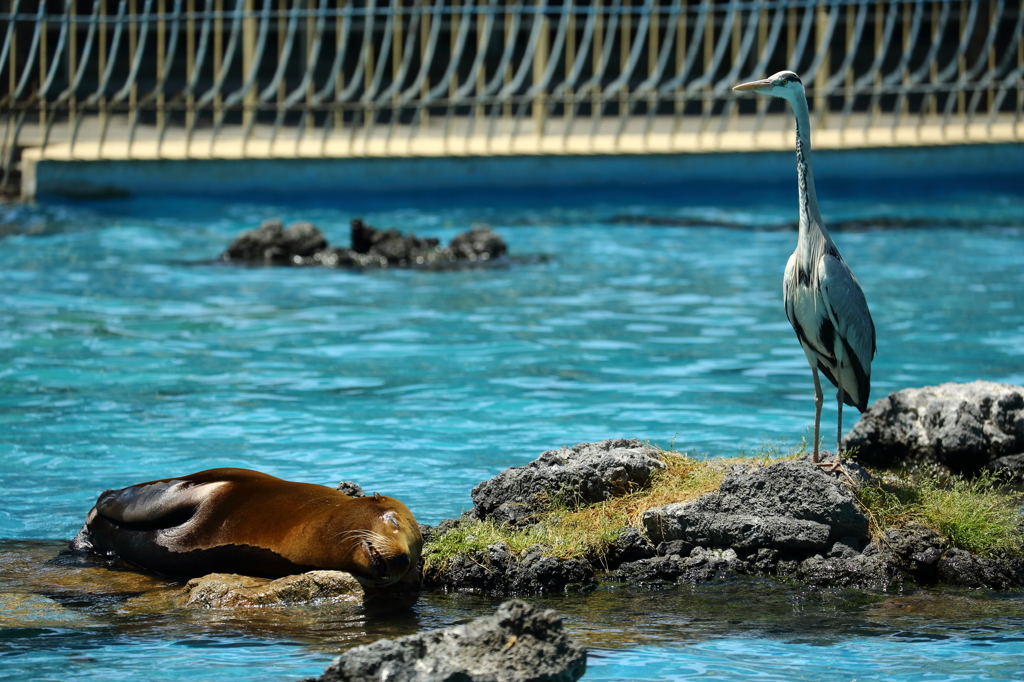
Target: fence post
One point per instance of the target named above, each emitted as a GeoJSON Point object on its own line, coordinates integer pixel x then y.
{"type": "Point", "coordinates": [540, 62]}
{"type": "Point", "coordinates": [248, 52]}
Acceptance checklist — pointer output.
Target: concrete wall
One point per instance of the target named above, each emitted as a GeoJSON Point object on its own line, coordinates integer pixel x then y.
{"type": "Point", "coordinates": [349, 177]}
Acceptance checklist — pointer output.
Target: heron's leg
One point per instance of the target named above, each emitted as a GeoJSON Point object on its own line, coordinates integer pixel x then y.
{"type": "Point", "coordinates": [818, 400]}
{"type": "Point", "coordinates": [839, 435]}
{"type": "Point", "coordinates": [837, 463]}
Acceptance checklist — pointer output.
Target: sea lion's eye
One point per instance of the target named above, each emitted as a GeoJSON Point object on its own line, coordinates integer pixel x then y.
{"type": "Point", "coordinates": [391, 518]}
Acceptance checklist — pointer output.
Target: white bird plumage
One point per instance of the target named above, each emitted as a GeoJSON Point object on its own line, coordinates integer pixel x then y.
{"type": "Point", "coordinates": [824, 301]}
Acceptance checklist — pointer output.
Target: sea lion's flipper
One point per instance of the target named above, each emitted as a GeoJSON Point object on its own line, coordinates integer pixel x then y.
{"type": "Point", "coordinates": [153, 506]}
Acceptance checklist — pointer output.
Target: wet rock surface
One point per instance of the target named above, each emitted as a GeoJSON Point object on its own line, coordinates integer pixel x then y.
{"type": "Point", "coordinates": [963, 569]}
{"type": "Point", "coordinates": [700, 565]}
{"type": "Point", "coordinates": [221, 590]}
{"type": "Point", "coordinates": [957, 428]}
{"type": "Point", "coordinates": [583, 474]}
{"type": "Point", "coordinates": [519, 643]}
{"type": "Point", "coordinates": [303, 244]}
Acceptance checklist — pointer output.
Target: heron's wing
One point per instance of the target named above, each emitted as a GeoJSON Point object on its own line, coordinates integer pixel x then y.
{"type": "Point", "coordinates": [848, 310]}
{"type": "Point", "coordinates": [788, 284]}
{"type": "Point", "coordinates": [155, 505]}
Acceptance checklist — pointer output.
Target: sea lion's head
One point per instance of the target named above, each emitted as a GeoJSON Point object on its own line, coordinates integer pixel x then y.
{"type": "Point", "coordinates": [388, 545]}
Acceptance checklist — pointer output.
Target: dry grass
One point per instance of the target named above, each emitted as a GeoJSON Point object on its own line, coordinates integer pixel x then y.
{"type": "Point", "coordinates": [570, 530]}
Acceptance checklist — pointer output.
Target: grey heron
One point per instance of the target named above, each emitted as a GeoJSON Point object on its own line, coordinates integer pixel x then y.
{"type": "Point", "coordinates": [824, 301]}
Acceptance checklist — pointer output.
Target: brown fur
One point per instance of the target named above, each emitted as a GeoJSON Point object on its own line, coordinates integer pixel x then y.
{"type": "Point", "coordinates": [242, 521]}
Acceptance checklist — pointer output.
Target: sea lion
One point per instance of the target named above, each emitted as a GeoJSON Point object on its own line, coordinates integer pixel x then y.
{"type": "Point", "coordinates": [242, 521]}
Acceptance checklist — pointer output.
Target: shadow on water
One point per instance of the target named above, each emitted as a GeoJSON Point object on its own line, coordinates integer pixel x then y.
{"type": "Point", "coordinates": [57, 604]}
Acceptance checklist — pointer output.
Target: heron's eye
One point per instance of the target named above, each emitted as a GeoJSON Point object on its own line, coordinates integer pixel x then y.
{"type": "Point", "coordinates": [784, 81]}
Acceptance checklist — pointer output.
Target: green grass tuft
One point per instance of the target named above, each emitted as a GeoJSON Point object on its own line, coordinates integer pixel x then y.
{"type": "Point", "coordinates": [972, 514]}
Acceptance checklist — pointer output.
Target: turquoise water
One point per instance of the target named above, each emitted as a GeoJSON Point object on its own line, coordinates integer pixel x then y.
{"type": "Point", "coordinates": [127, 355]}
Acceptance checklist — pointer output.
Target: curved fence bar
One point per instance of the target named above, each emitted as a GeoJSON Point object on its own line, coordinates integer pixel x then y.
{"type": "Point", "coordinates": [180, 79]}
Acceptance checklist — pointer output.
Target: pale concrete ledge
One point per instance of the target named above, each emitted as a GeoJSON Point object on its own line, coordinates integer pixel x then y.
{"type": "Point", "coordinates": [457, 156]}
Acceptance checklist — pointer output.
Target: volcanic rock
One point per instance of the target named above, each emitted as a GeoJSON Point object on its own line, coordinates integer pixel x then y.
{"type": "Point", "coordinates": [786, 506]}
{"type": "Point", "coordinates": [271, 243]}
{"type": "Point", "coordinates": [519, 643]}
{"type": "Point", "coordinates": [699, 566]}
{"type": "Point", "coordinates": [958, 567]}
{"type": "Point", "coordinates": [583, 474]}
{"type": "Point", "coordinates": [500, 571]}
{"type": "Point", "coordinates": [303, 244]}
{"type": "Point", "coordinates": [949, 428]}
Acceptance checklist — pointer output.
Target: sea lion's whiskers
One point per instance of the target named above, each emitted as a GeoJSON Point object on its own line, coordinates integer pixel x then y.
{"type": "Point", "coordinates": [383, 544]}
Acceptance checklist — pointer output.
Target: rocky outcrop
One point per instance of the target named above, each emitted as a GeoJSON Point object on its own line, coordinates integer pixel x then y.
{"type": "Point", "coordinates": [583, 474]}
{"type": "Point", "coordinates": [789, 506]}
{"type": "Point", "coordinates": [519, 643]}
{"type": "Point", "coordinates": [789, 519]}
{"type": "Point", "coordinates": [220, 590]}
{"type": "Point", "coordinates": [303, 244]}
{"type": "Point", "coordinates": [949, 428]}
{"type": "Point", "coordinates": [272, 243]}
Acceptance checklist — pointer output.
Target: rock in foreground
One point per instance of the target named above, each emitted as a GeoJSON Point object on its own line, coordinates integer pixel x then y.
{"type": "Point", "coordinates": [519, 643]}
{"type": "Point", "coordinates": [949, 428]}
{"type": "Point", "coordinates": [303, 244]}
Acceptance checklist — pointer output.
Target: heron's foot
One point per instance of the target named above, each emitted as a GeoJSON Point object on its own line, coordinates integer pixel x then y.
{"type": "Point", "coordinates": [836, 466]}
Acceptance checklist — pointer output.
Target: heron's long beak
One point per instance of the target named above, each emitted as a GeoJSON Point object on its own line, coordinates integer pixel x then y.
{"type": "Point", "coordinates": [760, 85]}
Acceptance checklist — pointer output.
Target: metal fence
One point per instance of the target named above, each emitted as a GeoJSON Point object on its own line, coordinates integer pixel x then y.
{"type": "Point", "coordinates": [208, 78]}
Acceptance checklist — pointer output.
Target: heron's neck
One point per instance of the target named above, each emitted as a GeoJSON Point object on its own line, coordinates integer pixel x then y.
{"type": "Point", "coordinates": [810, 217]}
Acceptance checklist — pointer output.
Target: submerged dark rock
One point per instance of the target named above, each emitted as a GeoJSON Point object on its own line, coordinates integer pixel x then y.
{"type": "Point", "coordinates": [583, 474]}
{"type": "Point", "coordinates": [303, 244]}
{"type": "Point", "coordinates": [519, 643]}
{"type": "Point", "coordinates": [949, 428]}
